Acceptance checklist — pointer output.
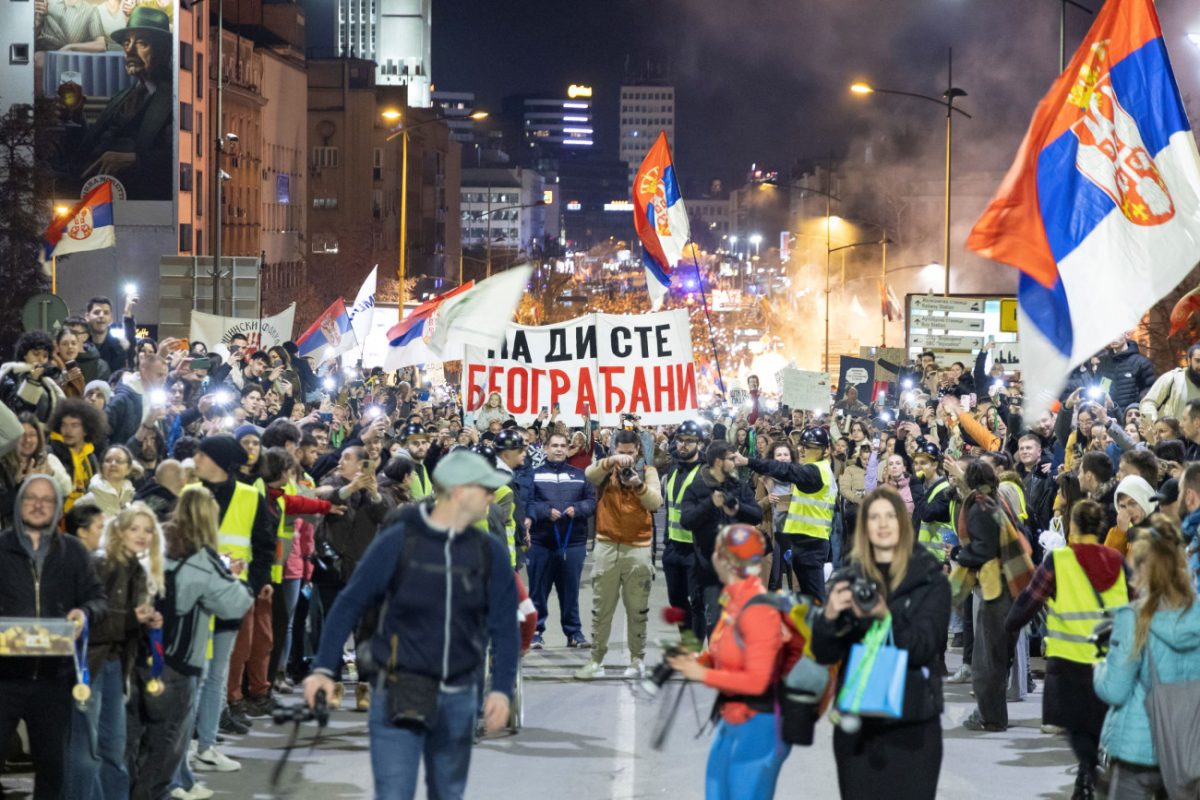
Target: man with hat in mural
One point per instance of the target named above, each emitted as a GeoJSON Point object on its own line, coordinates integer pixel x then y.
{"type": "Point", "coordinates": [132, 139]}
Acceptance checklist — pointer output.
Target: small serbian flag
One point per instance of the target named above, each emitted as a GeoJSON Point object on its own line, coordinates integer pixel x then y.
{"type": "Point", "coordinates": [408, 340]}
{"type": "Point", "coordinates": [660, 219]}
{"type": "Point", "coordinates": [1101, 209]}
{"type": "Point", "coordinates": [87, 226]}
{"type": "Point", "coordinates": [330, 336]}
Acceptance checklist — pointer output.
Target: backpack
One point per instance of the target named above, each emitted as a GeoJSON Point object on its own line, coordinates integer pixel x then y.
{"type": "Point", "coordinates": [804, 693]}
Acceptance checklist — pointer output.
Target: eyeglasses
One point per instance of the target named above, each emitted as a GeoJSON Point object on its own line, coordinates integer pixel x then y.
{"type": "Point", "coordinates": [117, 460]}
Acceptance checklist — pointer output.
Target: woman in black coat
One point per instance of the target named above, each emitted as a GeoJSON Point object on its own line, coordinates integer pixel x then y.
{"type": "Point", "coordinates": [894, 758]}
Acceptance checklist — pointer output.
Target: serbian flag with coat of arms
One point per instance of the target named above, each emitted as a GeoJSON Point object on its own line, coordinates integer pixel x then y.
{"type": "Point", "coordinates": [1101, 210]}
{"type": "Point", "coordinates": [87, 226]}
{"type": "Point", "coordinates": [660, 219]}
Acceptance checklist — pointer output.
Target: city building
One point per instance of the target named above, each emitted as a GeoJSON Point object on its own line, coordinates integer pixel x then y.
{"type": "Point", "coordinates": [710, 218]}
{"type": "Point", "coordinates": [506, 206]}
{"type": "Point", "coordinates": [646, 110]}
{"type": "Point", "coordinates": [395, 34]}
{"type": "Point", "coordinates": [594, 201]}
{"type": "Point", "coordinates": [354, 185]}
{"type": "Point", "coordinates": [539, 127]}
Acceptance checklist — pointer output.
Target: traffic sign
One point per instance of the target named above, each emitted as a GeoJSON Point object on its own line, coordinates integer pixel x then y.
{"type": "Point", "coordinates": [948, 323]}
{"type": "Point", "coordinates": [953, 305]}
{"type": "Point", "coordinates": [44, 312]}
{"type": "Point", "coordinates": [947, 342]}
{"type": "Point", "coordinates": [1008, 315]}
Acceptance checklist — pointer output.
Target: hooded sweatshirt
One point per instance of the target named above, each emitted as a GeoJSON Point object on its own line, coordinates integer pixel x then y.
{"type": "Point", "coordinates": [199, 587]}
{"type": "Point", "coordinates": [47, 581]}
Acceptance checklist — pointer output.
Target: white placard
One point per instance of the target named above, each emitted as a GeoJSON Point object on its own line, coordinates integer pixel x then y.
{"type": "Point", "coordinates": [803, 389]}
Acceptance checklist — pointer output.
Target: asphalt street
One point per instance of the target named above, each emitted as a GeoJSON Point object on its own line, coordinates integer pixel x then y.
{"type": "Point", "coordinates": [592, 741]}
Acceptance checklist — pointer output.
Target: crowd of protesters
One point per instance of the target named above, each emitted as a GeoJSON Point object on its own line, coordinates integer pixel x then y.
{"type": "Point", "coordinates": [198, 511]}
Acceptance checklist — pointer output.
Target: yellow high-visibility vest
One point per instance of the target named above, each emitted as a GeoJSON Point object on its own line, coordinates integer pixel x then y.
{"type": "Point", "coordinates": [675, 529]}
{"type": "Point", "coordinates": [284, 535]}
{"type": "Point", "coordinates": [237, 524]}
{"type": "Point", "coordinates": [510, 524]}
{"type": "Point", "coordinates": [931, 533]}
{"type": "Point", "coordinates": [1073, 613]}
{"type": "Point", "coordinates": [421, 486]}
{"type": "Point", "coordinates": [812, 514]}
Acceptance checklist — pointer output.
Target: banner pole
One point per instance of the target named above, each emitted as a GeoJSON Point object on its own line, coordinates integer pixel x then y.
{"type": "Point", "coordinates": [708, 318]}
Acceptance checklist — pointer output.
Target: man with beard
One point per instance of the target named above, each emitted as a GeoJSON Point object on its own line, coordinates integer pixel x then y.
{"type": "Point", "coordinates": [1173, 390]}
{"type": "Point", "coordinates": [678, 558]}
{"type": "Point", "coordinates": [131, 140]}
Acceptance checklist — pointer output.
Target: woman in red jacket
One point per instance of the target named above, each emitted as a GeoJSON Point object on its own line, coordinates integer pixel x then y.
{"type": "Point", "coordinates": [746, 655]}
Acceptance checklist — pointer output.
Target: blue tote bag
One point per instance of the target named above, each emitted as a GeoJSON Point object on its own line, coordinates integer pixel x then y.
{"type": "Point", "coordinates": [875, 675]}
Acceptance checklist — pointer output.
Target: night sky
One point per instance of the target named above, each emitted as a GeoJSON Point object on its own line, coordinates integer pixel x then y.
{"type": "Point", "coordinates": [766, 80]}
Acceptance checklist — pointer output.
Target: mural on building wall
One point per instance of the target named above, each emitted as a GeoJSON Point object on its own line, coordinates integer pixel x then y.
{"type": "Point", "coordinates": [111, 65]}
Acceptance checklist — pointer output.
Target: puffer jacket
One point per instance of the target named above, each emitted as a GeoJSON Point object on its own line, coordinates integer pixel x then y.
{"type": "Point", "coordinates": [1123, 679]}
{"type": "Point", "coordinates": [108, 498]}
{"type": "Point", "coordinates": [560, 486]}
{"type": "Point", "coordinates": [1131, 374]}
{"type": "Point", "coordinates": [21, 393]}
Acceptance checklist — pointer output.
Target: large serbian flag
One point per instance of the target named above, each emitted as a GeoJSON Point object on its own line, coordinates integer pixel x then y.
{"type": "Point", "coordinates": [87, 226]}
{"type": "Point", "coordinates": [408, 340]}
{"type": "Point", "coordinates": [1101, 210]}
{"type": "Point", "coordinates": [659, 217]}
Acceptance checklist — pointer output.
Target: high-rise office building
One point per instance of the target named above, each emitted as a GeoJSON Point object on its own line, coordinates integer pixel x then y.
{"type": "Point", "coordinates": [646, 109]}
{"type": "Point", "coordinates": [550, 127]}
{"type": "Point", "coordinates": [396, 35]}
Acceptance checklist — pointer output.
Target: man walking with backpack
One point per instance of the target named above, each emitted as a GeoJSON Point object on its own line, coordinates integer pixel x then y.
{"type": "Point", "coordinates": [447, 590]}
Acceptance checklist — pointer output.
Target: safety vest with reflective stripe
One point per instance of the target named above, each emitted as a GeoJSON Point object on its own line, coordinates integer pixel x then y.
{"type": "Point", "coordinates": [421, 487]}
{"type": "Point", "coordinates": [237, 524]}
{"type": "Point", "coordinates": [1022, 512]}
{"type": "Point", "coordinates": [284, 535]}
{"type": "Point", "coordinates": [932, 532]}
{"type": "Point", "coordinates": [1073, 613]}
{"type": "Point", "coordinates": [812, 514]}
{"type": "Point", "coordinates": [510, 523]}
{"type": "Point", "coordinates": [675, 529]}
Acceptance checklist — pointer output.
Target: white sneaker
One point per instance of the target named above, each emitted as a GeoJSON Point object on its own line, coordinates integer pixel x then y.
{"type": "Point", "coordinates": [213, 760]}
{"type": "Point", "coordinates": [1053, 730]}
{"type": "Point", "coordinates": [636, 669]}
{"type": "Point", "coordinates": [962, 676]}
{"type": "Point", "coordinates": [591, 669]}
{"type": "Point", "coordinates": [180, 793]}
{"type": "Point", "coordinates": [200, 792]}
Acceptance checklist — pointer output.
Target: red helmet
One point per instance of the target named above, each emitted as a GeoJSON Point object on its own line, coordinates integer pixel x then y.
{"type": "Point", "coordinates": [742, 546]}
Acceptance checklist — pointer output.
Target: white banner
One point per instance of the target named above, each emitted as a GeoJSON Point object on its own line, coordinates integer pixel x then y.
{"type": "Point", "coordinates": [803, 389]}
{"type": "Point", "coordinates": [214, 330]}
{"type": "Point", "coordinates": [608, 364]}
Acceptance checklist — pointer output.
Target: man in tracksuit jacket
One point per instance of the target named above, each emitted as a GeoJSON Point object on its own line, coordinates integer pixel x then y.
{"type": "Point", "coordinates": [447, 590]}
{"type": "Point", "coordinates": [563, 500]}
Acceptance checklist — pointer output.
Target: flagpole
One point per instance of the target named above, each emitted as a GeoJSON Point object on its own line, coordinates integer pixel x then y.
{"type": "Point", "coordinates": [53, 274]}
{"type": "Point", "coordinates": [708, 318]}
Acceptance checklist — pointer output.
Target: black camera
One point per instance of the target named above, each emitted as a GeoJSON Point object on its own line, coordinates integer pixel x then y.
{"type": "Point", "coordinates": [863, 590]}
{"type": "Point", "coordinates": [628, 474]}
{"type": "Point", "coordinates": [1102, 636]}
{"type": "Point", "coordinates": [300, 712]}
{"type": "Point", "coordinates": [325, 557]}
{"type": "Point", "coordinates": [658, 678]}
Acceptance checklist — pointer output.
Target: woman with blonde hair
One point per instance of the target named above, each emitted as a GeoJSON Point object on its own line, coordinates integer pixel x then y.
{"type": "Point", "coordinates": [96, 759]}
{"type": "Point", "coordinates": [896, 758]}
{"type": "Point", "coordinates": [1161, 627]}
{"type": "Point", "coordinates": [199, 587]}
{"type": "Point", "coordinates": [111, 490]}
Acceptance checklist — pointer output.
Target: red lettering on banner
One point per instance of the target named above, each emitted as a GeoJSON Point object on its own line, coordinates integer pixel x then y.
{"type": "Point", "coordinates": [535, 403]}
{"type": "Point", "coordinates": [685, 384]}
{"type": "Point", "coordinates": [517, 398]}
{"type": "Point", "coordinates": [640, 396]}
{"type": "Point", "coordinates": [475, 395]}
{"type": "Point", "coordinates": [585, 394]}
{"type": "Point", "coordinates": [614, 398]}
{"type": "Point", "coordinates": [559, 385]}
{"type": "Point", "coordinates": [495, 375]}
{"type": "Point", "coordinates": [664, 388]}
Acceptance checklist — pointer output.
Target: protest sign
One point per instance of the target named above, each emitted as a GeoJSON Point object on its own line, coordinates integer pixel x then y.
{"type": "Point", "coordinates": [262, 333]}
{"type": "Point", "coordinates": [801, 389]}
{"type": "Point", "coordinates": [604, 364]}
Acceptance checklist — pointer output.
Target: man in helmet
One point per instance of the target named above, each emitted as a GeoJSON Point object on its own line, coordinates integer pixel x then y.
{"type": "Point", "coordinates": [810, 515]}
{"type": "Point", "coordinates": [934, 501]}
{"type": "Point", "coordinates": [415, 441]}
{"type": "Point", "coordinates": [508, 510]}
{"type": "Point", "coordinates": [678, 558]}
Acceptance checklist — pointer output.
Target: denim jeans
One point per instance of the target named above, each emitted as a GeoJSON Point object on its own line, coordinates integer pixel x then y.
{"type": "Point", "coordinates": [212, 689]}
{"type": "Point", "coordinates": [563, 571]}
{"type": "Point", "coordinates": [291, 596]}
{"type": "Point", "coordinates": [183, 777]}
{"type": "Point", "coordinates": [396, 753]}
{"type": "Point", "coordinates": [96, 756]}
{"type": "Point", "coordinates": [744, 760]}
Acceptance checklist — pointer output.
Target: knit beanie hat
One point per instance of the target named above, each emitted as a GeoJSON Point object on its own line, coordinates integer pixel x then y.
{"type": "Point", "coordinates": [245, 430]}
{"type": "Point", "coordinates": [225, 452]}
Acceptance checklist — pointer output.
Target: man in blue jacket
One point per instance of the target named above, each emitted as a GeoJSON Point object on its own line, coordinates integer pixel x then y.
{"type": "Point", "coordinates": [447, 591]}
{"type": "Point", "coordinates": [563, 500]}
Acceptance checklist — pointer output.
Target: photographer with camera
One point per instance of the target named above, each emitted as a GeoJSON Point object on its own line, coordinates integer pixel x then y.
{"type": "Point", "coordinates": [628, 492]}
{"type": "Point", "coordinates": [809, 522]}
{"type": "Point", "coordinates": [1079, 585]}
{"type": "Point", "coordinates": [716, 498]}
{"type": "Point", "coordinates": [745, 659]}
{"type": "Point", "coordinates": [448, 590]}
{"type": "Point", "coordinates": [889, 574]}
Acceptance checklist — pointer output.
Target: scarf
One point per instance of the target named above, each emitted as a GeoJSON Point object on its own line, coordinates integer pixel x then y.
{"type": "Point", "coordinates": [1013, 565]}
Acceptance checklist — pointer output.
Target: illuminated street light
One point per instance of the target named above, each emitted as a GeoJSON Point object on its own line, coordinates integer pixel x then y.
{"type": "Point", "coordinates": [861, 88]}
{"type": "Point", "coordinates": [391, 115]}
{"type": "Point", "coordinates": [62, 211]}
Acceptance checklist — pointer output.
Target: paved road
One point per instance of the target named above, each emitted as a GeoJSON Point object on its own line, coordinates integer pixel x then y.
{"type": "Point", "coordinates": [591, 740]}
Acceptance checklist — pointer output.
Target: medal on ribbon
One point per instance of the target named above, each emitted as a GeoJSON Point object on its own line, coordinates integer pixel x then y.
{"type": "Point", "coordinates": [155, 686]}
{"type": "Point", "coordinates": [82, 691]}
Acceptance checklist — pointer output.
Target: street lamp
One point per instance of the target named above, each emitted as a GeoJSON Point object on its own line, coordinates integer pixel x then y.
{"type": "Point", "coordinates": [60, 212]}
{"type": "Point", "coordinates": [394, 118]}
{"type": "Point", "coordinates": [947, 102]}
